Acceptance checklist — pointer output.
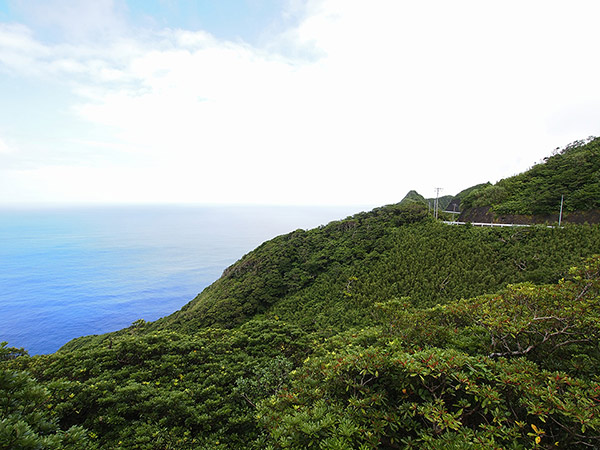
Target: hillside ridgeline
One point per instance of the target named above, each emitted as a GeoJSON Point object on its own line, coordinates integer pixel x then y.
{"type": "Point", "coordinates": [534, 196]}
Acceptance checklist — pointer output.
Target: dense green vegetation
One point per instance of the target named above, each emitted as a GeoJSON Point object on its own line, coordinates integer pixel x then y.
{"type": "Point", "coordinates": [471, 372]}
{"type": "Point", "coordinates": [573, 172]}
{"type": "Point", "coordinates": [25, 422]}
{"type": "Point", "coordinates": [384, 330]}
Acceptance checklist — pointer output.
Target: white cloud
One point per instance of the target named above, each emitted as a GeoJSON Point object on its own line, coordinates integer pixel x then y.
{"type": "Point", "coordinates": [81, 20]}
{"type": "Point", "coordinates": [5, 148]}
{"type": "Point", "coordinates": [358, 103]}
{"type": "Point", "coordinates": [19, 51]}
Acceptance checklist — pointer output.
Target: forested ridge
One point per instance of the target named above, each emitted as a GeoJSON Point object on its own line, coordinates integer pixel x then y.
{"type": "Point", "coordinates": [383, 330]}
{"type": "Point", "coordinates": [571, 173]}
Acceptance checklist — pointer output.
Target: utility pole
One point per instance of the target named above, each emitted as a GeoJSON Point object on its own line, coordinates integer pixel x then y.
{"type": "Point", "coordinates": [561, 207]}
{"type": "Point", "coordinates": [436, 204]}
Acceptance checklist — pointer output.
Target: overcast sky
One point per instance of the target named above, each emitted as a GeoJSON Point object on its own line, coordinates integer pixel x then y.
{"type": "Point", "coordinates": [287, 101]}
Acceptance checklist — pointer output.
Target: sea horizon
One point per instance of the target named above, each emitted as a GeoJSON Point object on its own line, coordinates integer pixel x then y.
{"type": "Point", "coordinates": [73, 270]}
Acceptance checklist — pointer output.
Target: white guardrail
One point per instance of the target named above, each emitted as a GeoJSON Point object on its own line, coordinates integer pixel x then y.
{"type": "Point", "coordinates": [483, 224]}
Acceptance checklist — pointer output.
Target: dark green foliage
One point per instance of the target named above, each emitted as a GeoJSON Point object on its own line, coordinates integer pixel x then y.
{"type": "Point", "coordinates": [410, 382]}
{"type": "Point", "coordinates": [171, 390]}
{"type": "Point", "coordinates": [384, 396]}
{"type": "Point", "coordinates": [573, 172]}
{"type": "Point", "coordinates": [465, 197]}
{"type": "Point", "coordinates": [25, 419]}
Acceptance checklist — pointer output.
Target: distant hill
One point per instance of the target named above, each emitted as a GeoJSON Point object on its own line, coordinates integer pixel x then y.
{"type": "Point", "coordinates": [415, 197]}
{"type": "Point", "coordinates": [457, 202]}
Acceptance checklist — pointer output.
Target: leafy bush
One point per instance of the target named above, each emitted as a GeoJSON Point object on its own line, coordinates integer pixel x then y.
{"type": "Point", "coordinates": [25, 422]}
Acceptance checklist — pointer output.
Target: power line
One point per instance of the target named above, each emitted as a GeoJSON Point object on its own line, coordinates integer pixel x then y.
{"type": "Point", "coordinates": [436, 204]}
{"type": "Point", "coordinates": [561, 208]}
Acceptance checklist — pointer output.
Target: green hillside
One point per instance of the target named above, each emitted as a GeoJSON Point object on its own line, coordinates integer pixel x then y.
{"type": "Point", "coordinates": [383, 330]}
{"type": "Point", "coordinates": [573, 172]}
{"type": "Point", "coordinates": [413, 197]}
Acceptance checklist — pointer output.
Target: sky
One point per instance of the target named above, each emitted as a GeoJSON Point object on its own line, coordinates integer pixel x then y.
{"type": "Point", "coordinates": [295, 102]}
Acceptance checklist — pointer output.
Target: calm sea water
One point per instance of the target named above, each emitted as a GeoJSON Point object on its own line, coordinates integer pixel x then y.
{"type": "Point", "coordinates": [70, 272]}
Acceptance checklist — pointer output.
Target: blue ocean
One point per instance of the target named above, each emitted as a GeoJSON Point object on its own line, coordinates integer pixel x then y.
{"type": "Point", "coordinates": [73, 271]}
